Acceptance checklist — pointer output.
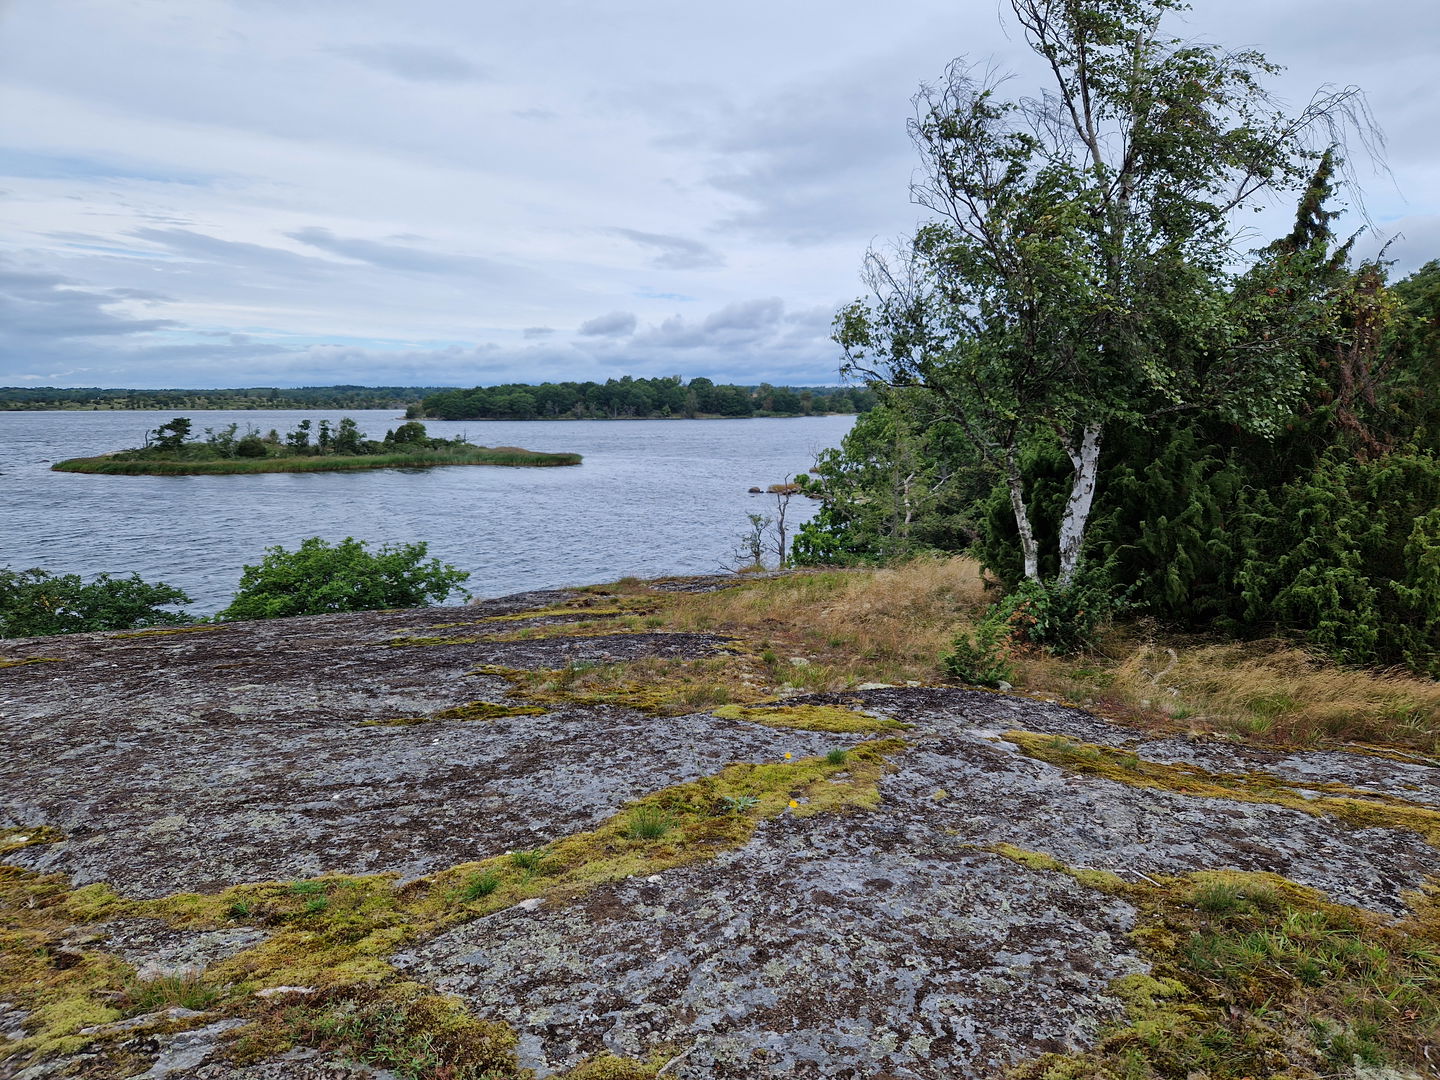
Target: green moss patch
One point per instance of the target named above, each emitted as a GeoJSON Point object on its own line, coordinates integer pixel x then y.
{"type": "Point", "coordinates": [334, 935]}
{"type": "Point", "coordinates": [167, 631]}
{"type": "Point", "coordinates": [834, 718]}
{"type": "Point", "coordinates": [4, 663]}
{"type": "Point", "coordinates": [474, 710]}
{"type": "Point", "coordinates": [417, 640]}
{"type": "Point", "coordinates": [1255, 976]}
{"type": "Point", "coordinates": [14, 839]}
{"type": "Point", "coordinates": [1360, 809]}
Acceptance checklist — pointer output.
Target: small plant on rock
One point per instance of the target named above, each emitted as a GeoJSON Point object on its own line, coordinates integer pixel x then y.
{"type": "Point", "coordinates": [478, 886]}
{"type": "Point", "coordinates": [648, 823]}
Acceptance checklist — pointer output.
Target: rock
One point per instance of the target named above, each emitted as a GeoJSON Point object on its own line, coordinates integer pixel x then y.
{"type": "Point", "coordinates": [875, 686]}
{"type": "Point", "coordinates": [284, 991]}
{"type": "Point", "coordinates": [1003, 686]}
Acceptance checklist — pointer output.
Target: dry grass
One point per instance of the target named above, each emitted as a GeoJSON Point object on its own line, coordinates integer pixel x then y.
{"type": "Point", "coordinates": [892, 625]}
{"type": "Point", "coordinates": [849, 627]}
{"type": "Point", "coordinates": [1270, 691]}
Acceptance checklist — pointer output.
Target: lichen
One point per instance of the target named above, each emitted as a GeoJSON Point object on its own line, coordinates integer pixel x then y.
{"type": "Point", "coordinates": [334, 935]}
{"type": "Point", "coordinates": [4, 662]}
{"type": "Point", "coordinates": [1361, 809]}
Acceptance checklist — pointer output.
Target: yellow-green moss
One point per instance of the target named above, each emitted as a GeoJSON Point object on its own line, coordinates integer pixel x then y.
{"type": "Point", "coordinates": [1253, 975]}
{"type": "Point", "coordinates": [166, 631]}
{"type": "Point", "coordinates": [335, 934]}
{"type": "Point", "coordinates": [1358, 808]}
{"type": "Point", "coordinates": [657, 686]}
{"type": "Point", "coordinates": [4, 663]}
{"type": "Point", "coordinates": [474, 710]}
{"type": "Point", "coordinates": [416, 640]}
{"type": "Point", "coordinates": [560, 612]}
{"type": "Point", "coordinates": [834, 718]}
{"type": "Point", "coordinates": [16, 838]}
{"type": "Point", "coordinates": [607, 1066]}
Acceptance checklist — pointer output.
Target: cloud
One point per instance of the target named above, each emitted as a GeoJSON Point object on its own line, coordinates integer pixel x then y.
{"type": "Point", "coordinates": [615, 324]}
{"type": "Point", "coordinates": [40, 309]}
{"type": "Point", "coordinates": [397, 256]}
{"type": "Point", "coordinates": [205, 248]}
{"type": "Point", "coordinates": [675, 252]}
{"type": "Point", "coordinates": [532, 332]}
{"type": "Point", "coordinates": [414, 63]}
{"type": "Point", "coordinates": [745, 322]}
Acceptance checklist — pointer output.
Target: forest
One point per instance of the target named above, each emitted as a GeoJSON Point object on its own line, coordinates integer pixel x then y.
{"type": "Point", "coordinates": [19, 398]}
{"type": "Point", "coordinates": [640, 399]}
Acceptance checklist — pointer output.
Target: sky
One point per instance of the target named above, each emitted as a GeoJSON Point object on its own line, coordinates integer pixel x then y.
{"type": "Point", "coordinates": [211, 193]}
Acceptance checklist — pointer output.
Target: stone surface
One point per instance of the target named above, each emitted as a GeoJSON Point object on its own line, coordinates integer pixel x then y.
{"type": "Point", "coordinates": [886, 942]}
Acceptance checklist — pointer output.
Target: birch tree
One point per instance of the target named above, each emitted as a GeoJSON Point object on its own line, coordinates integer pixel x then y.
{"type": "Point", "coordinates": [1079, 269]}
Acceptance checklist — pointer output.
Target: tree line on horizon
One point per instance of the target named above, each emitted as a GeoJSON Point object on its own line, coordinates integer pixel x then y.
{"type": "Point", "coordinates": [19, 398]}
{"type": "Point", "coordinates": [642, 399]}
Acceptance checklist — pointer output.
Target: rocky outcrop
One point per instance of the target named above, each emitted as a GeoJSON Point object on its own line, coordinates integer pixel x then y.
{"type": "Point", "coordinates": [900, 935]}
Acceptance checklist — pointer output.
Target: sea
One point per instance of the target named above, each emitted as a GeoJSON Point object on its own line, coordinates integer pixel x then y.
{"type": "Point", "coordinates": [652, 498]}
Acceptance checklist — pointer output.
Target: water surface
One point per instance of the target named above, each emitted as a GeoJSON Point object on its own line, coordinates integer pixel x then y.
{"type": "Point", "coordinates": [653, 497]}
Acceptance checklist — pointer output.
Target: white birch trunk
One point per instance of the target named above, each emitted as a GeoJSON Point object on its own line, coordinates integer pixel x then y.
{"type": "Point", "coordinates": [1016, 484]}
{"type": "Point", "coordinates": [1086, 461]}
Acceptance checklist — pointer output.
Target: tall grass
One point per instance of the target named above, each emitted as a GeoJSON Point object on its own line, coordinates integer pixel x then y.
{"type": "Point", "coordinates": [892, 625]}
{"type": "Point", "coordinates": [423, 459]}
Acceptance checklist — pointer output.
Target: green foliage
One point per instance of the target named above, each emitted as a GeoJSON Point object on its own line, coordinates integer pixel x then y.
{"type": "Point", "coordinates": [35, 603]}
{"type": "Point", "coordinates": [172, 436]}
{"type": "Point", "coordinates": [631, 397]}
{"type": "Point", "coordinates": [1062, 619]}
{"type": "Point", "coordinates": [904, 481]}
{"type": "Point", "coordinates": [320, 577]}
{"type": "Point", "coordinates": [983, 656]}
{"type": "Point", "coordinates": [648, 823]}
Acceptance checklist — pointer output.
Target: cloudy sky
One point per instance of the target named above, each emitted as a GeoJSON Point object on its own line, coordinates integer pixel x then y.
{"type": "Point", "coordinates": [460, 192]}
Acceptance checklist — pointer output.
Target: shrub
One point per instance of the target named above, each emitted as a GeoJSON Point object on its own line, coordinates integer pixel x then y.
{"type": "Point", "coordinates": [251, 446]}
{"type": "Point", "coordinates": [1062, 619]}
{"type": "Point", "coordinates": [35, 603]}
{"type": "Point", "coordinates": [982, 657]}
{"type": "Point", "coordinates": [320, 577]}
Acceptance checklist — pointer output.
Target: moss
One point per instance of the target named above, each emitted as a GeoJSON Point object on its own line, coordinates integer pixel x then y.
{"type": "Point", "coordinates": [4, 663]}
{"type": "Point", "coordinates": [15, 839]}
{"type": "Point", "coordinates": [1253, 975]}
{"type": "Point", "coordinates": [659, 687]}
{"type": "Point", "coordinates": [335, 934]}
{"type": "Point", "coordinates": [401, 1026]}
{"type": "Point", "coordinates": [811, 718]}
{"type": "Point", "coordinates": [166, 631]}
{"type": "Point", "coordinates": [413, 640]}
{"type": "Point", "coordinates": [1356, 808]}
{"type": "Point", "coordinates": [560, 612]}
{"type": "Point", "coordinates": [473, 710]}
{"type": "Point", "coordinates": [607, 1066]}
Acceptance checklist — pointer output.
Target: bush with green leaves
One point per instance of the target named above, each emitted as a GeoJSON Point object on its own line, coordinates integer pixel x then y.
{"type": "Point", "coordinates": [1062, 619]}
{"type": "Point", "coordinates": [320, 577]}
{"type": "Point", "coordinates": [35, 603]}
{"type": "Point", "coordinates": [982, 657]}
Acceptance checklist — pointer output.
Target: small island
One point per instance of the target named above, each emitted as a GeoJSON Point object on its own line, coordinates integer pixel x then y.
{"type": "Point", "coordinates": [311, 447]}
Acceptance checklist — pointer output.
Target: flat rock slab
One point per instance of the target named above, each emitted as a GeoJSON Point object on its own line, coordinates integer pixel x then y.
{"type": "Point", "coordinates": [834, 946]}
{"type": "Point", "coordinates": [888, 942]}
{"type": "Point", "coordinates": [169, 769]}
